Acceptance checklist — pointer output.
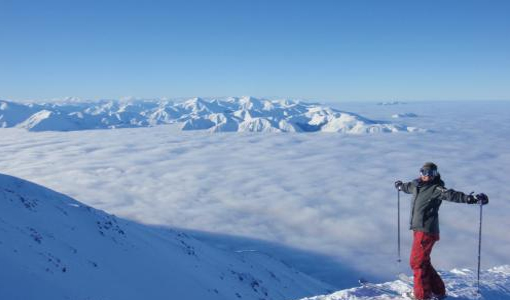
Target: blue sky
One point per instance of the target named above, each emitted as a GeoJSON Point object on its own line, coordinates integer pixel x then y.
{"type": "Point", "coordinates": [327, 50]}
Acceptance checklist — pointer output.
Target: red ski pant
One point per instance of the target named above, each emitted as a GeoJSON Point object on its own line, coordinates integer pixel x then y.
{"type": "Point", "coordinates": [426, 279]}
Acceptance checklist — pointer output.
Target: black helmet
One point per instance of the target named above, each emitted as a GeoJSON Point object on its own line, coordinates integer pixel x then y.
{"type": "Point", "coordinates": [429, 169]}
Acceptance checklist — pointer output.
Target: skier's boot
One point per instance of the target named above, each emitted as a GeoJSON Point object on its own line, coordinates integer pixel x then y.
{"type": "Point", "coordinates": [410, 295]}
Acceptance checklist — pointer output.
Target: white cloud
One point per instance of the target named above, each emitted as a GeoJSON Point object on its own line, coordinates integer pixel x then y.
{"type": "Point", "coordinates": [324, 192]}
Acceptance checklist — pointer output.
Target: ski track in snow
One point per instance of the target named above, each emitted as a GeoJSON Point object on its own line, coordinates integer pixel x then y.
{"type": "Point", "coordinates": [323, 192]}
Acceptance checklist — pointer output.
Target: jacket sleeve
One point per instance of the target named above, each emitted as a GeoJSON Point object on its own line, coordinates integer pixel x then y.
{"type": "Point", "coordinates": [451, 195]}
{"type": "Point", "coordinates": [407, 187]}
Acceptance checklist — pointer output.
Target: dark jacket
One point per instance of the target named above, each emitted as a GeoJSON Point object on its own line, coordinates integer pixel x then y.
{"type": "Point", "coordinates": [427, 197]}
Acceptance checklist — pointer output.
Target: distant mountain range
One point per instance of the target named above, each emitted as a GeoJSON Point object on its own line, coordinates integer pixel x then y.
{"type": "Point", "coordinates": [233, 114]}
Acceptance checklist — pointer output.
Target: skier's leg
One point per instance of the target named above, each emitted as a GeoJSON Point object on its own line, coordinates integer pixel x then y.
{"type": "Point", "coordinates": [434, 280]}
{"type": "Point", "coordinates": [438, 287]}
{"type": "Point", "coordinates": [420, 263]}
{"type": "Point", "coordinates": [421, 282]}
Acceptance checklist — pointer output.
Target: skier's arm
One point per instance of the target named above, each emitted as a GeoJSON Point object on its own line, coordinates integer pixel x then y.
{"type": "Point", "coordinates": [452, 195]}
{"type": "Point", "coordinates": [459, 197]}
{"type": "Point", "coordinates": [407, 187]}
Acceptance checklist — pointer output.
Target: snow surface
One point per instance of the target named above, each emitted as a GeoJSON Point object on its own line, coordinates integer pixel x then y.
{"type": "Point", "coordinates": [53, 247]}
{"type": "Point", "coordinates": [216, 115]}
{"type": "Point", "coordinates": [330, 195]}
{"type": "Point", "coordinates": [460, 284]}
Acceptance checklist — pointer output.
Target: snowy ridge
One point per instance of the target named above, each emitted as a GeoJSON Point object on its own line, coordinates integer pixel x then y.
{"type": "Point", "coordinates": [233, 114]}
{"type": "Point", "coordinates": [460, 284]}
{"type": "Point", "coordinates": [63, 249]}
{"type": "Point", "coordinates": [404, 115]}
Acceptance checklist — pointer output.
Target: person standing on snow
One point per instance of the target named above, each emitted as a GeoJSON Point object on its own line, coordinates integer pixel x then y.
{"type": "Point", "coordinates": [428, 193]}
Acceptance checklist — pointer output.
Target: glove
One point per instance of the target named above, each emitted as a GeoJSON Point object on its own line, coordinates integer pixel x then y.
{"type": "Point", "coordinates": [479, 198]}
{"type": "Point", "coordinates": [398, 185]}
{"type": "Point", "coordinates": [482, 198]}
{"type": "Point", "coordinates": [471, 199]}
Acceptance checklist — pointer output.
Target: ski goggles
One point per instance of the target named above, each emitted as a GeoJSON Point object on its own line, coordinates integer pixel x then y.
{"type": "Point", "coordinates": [428, 172]}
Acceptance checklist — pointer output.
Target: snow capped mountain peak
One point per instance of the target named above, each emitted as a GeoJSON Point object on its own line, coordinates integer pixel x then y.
{"type": "Point", "coordinates": [12, 113]}
{"type": "Point", "coordinates": [45, 120]}
{"type": "Point", "coordinates": [287, 102]}
{"type": "Point", "coordinates": [258, 125]}
{"type": "Point", "coordinates": [250, 103]}
{"type": "Point", "coordinates": [199, 106]}
{"type": "Point", "coordinates": [231, 114]}
{"type": "Point", "coordinates": [4, 105]}
{"type": "Point", "coordinates": [72, 99]}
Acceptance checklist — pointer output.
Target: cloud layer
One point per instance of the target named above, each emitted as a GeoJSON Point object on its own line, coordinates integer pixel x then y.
{"type": "Point", "coordinates": [325, 192]}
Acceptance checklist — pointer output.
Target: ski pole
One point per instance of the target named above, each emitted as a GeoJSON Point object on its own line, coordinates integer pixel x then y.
{"type": "Point", "coordinates": [398, 222]}
{"type": "Point", "coordinates": [479, 247]}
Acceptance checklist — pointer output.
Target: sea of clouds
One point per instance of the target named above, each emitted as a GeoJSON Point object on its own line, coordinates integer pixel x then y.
{"type": "Point", "coordinates": [321, 192]}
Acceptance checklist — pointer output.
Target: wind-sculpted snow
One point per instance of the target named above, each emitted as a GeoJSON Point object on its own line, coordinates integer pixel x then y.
{"type": "Point", "coordinates": [54, 247]}
{"type": "Point", "coordinates": [461, 284]}
{"type": "Point", "coordinates": [245, 114]}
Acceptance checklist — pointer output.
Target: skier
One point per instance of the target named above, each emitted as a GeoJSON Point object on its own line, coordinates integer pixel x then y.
{"type": "Point", "coordinates": [428, 193]}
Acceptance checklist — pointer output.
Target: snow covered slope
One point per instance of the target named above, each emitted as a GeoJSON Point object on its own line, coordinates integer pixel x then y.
{"type": "Point", "coordinates": [53, 247]}
{"type": "Point", "coordinates": [460, 284]}
{"type": "Point", "coordinates": [12, 114]}
{"type": "Point", "coordinates": [216, 115]}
